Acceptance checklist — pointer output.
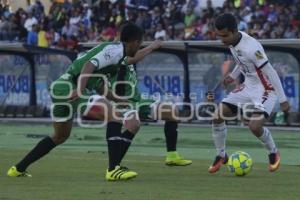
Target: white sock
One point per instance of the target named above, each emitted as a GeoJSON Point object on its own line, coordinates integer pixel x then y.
{"type": "Point", "coordinates": [268, 141]}
{"type": "Point", "coordinates": [219, 132]}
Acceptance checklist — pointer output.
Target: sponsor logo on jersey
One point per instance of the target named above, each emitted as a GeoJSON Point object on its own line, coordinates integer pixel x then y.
{"type": "Point", "coordinates": [107, 55]}
{"type": "Point", "coordinates": [259, 55]}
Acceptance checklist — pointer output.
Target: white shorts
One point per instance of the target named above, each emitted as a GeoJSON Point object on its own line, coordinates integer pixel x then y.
{"type": "Point", "coordinates": [244, 95]}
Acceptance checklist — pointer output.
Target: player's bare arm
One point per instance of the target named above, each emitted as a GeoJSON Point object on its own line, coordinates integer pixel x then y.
{"type": "Point", "coordinates": [230, 78]}
{"type": "Point", "coordinates": [142, 53]}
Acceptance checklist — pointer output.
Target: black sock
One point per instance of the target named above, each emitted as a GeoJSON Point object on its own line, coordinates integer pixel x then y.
{"type": "Point", "coordinates": [125, 143]}
{"type": "Point", "coordinates": [113, 137]}
{"type": "Point", "coordinates": [41, 149]}
{"type": "Point", "coordinates": [171, 135]}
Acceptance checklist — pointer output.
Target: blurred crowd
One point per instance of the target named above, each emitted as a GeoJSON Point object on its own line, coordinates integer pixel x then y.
{"type": "Point", "coordinates": [69, 22]}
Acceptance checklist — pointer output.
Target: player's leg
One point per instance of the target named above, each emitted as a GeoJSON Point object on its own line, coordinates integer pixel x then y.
{"type": "Point", "coordinates": [256, 125]}
{"type": "Point", "coordinates": [219, 132]}
{"type": "Point", "coordinates": [170, 114]}
{"type": "Point", "coordinates": [61, 113]}
{"type": "Point", "coordinates": [62, 131]}
{"type": "Point", "coordinates": [98, 107]}
{"type": "Point", "coordinates": [131, 123]}
{"type": "Point", "coordinates": [227, 109]}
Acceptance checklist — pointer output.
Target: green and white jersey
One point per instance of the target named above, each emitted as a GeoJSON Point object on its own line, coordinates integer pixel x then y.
{"type": "Point", "coordinates": [107, 57]}
{"type": "Point", "coordinates": [127, 78]}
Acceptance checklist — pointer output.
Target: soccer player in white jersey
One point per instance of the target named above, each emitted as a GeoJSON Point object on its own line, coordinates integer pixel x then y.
{"type": "Point", "coordinates": [261, 88]}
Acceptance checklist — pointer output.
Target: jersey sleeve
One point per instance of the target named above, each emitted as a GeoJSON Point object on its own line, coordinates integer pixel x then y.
{"type": "Point", "coordinates": [110, 55]}
{"type": "Point", "coordinates": [257, 55]}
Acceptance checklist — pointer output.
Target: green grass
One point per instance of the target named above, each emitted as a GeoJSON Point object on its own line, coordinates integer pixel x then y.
{"type": "Point", "coordinates": [76, 169]}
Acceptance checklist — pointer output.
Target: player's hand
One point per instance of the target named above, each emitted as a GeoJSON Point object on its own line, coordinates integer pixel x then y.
{"type": "Point", "coordinates": [227, 80]}
{"type": "Point", "coordinates": [285, 106]}
{"type": "Point", "coordinates": [210, 96]}
{"type": "Point", "coordinates": [74, 96]}
{"type": "Point", "coordinates": [156, 44]}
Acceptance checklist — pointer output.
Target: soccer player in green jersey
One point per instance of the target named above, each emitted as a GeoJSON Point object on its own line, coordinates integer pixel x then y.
{"type": "Point", "coordinates": [74, 92]}
{"type": "Point", "coordinates": [125, 84]}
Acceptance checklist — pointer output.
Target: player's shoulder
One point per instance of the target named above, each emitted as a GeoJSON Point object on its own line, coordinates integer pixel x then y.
{"type": "Point", "coordinates": [109, 52]}
{"type": "Point", "coordinates": [111, 47]}
{"type": "Point", "coordinates": [253, 49]}
{"type": "Point", "coordinates": [250, 46]}
{"type": "Point", "coordinates": [249, 43]}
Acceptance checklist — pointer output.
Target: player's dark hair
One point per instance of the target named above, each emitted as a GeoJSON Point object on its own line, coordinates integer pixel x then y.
{"type": "Point", "coordinates": [131, 32]}
{"type": "Point", "coordinates": [226, 21]}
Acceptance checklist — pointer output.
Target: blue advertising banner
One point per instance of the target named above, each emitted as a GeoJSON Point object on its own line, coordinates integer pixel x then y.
{"type": "Point", "coordinates": [48, 68]}
{"type": "Point", "coordinates": [14, 80]}
{"type": "Point", "coordinates": [160, 75]}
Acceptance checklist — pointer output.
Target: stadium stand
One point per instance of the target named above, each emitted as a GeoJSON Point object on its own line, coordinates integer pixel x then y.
{"type": "Point", "coordinates": [71, 22]}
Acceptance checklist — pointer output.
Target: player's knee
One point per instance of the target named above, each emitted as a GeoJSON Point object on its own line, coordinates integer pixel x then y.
{"type": "Point", "coordinates": [167, 111]}
{"type": "Point", "coordinates": [59, 138]}
{"type": "Point", "coordinates": [255, 127]}
{"type": "Point", "coordinates": [133, 126]}
{"type": "Point", "coordinates": [217, 119]}
{"type": "Point", "coordinates": [131, 121]}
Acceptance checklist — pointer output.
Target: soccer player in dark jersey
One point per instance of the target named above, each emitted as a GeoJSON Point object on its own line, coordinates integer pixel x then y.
{"type": "Point", "coordinates": [148, 109]}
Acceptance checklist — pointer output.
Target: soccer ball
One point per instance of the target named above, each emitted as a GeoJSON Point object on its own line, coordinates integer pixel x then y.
{"type": "Point", "coordinates": [240, 163]}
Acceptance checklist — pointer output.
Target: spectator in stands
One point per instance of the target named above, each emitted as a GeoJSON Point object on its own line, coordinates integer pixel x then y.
{"type": "Point", "coordinates": [87, 15]}
{"type": "Point", "coordinates": [67, 6]}
{"type": "Point", "coordinates": [242, 25]}
{"type": "Point", "coordinates": [160, 33]}
{"type": "Point", "coordinates": [69, 29]}
{"type": "Point", "coordinates": [32, 37]}
{"type": "Point", "coordinates": [289, 32]}
{"type": "Point", "coordinates": [51, 36]}
{"type": "Point", "coordinates": [30, 21]}
{"type": "Point", "coordinates": [37, 9]}
{"type": "Point", "coordinates": [273, 14]}
{"type": "Point", "coordinates": [75, 18]}
{"type": "Point", "coordinates": [72, 43]}
{"type": "Point", "coordinates": [179, 19]}
{"type": "Point", "coordinates": [42, 37]}
{"type": "Point", "coordinates": [3, 28]}
{"type": "Point", "coordinates": [62, 42]}
{"type": "Point", "coordinates": [109, 33]}
{"type": "Point", "coordinates": [83, 32]}
{"type": "Point", "coordinates": [143, 20]}
{"type": "Point", "coordinates": [12, 28]}
{"type": "Point", "coordinates": [6, 11]}
{"type": "Point", "coordinates": [156, 17]}
{"type": "Point", "coordinates": [189, 17]}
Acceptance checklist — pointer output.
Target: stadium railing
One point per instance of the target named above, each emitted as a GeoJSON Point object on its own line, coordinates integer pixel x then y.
{"type": "Point", "coordinates": [183, 69]}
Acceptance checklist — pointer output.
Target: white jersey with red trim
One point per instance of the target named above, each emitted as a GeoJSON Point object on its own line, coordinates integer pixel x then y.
{"type": "Point", "coordinates": [250, 58]}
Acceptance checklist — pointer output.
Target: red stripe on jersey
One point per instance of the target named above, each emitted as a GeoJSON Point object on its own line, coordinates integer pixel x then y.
{"type": "Point", "coordinates": [267, 85]}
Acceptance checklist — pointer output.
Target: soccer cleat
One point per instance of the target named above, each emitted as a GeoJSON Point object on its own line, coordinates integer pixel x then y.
{"type": "Point", "coordinates": [13, 172]}
{"type": "Point", "coordinates": [174, 159]}
{"type": "Point", "coordinates": [120, 173]}
{"type": "Point", "coordinates": [274, 161]}
{"type": "Point", "coordinates": [219, 161]}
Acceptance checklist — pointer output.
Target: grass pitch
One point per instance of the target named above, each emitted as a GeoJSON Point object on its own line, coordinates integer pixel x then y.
{"type": "Point", "coordinates": [76, 169]}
